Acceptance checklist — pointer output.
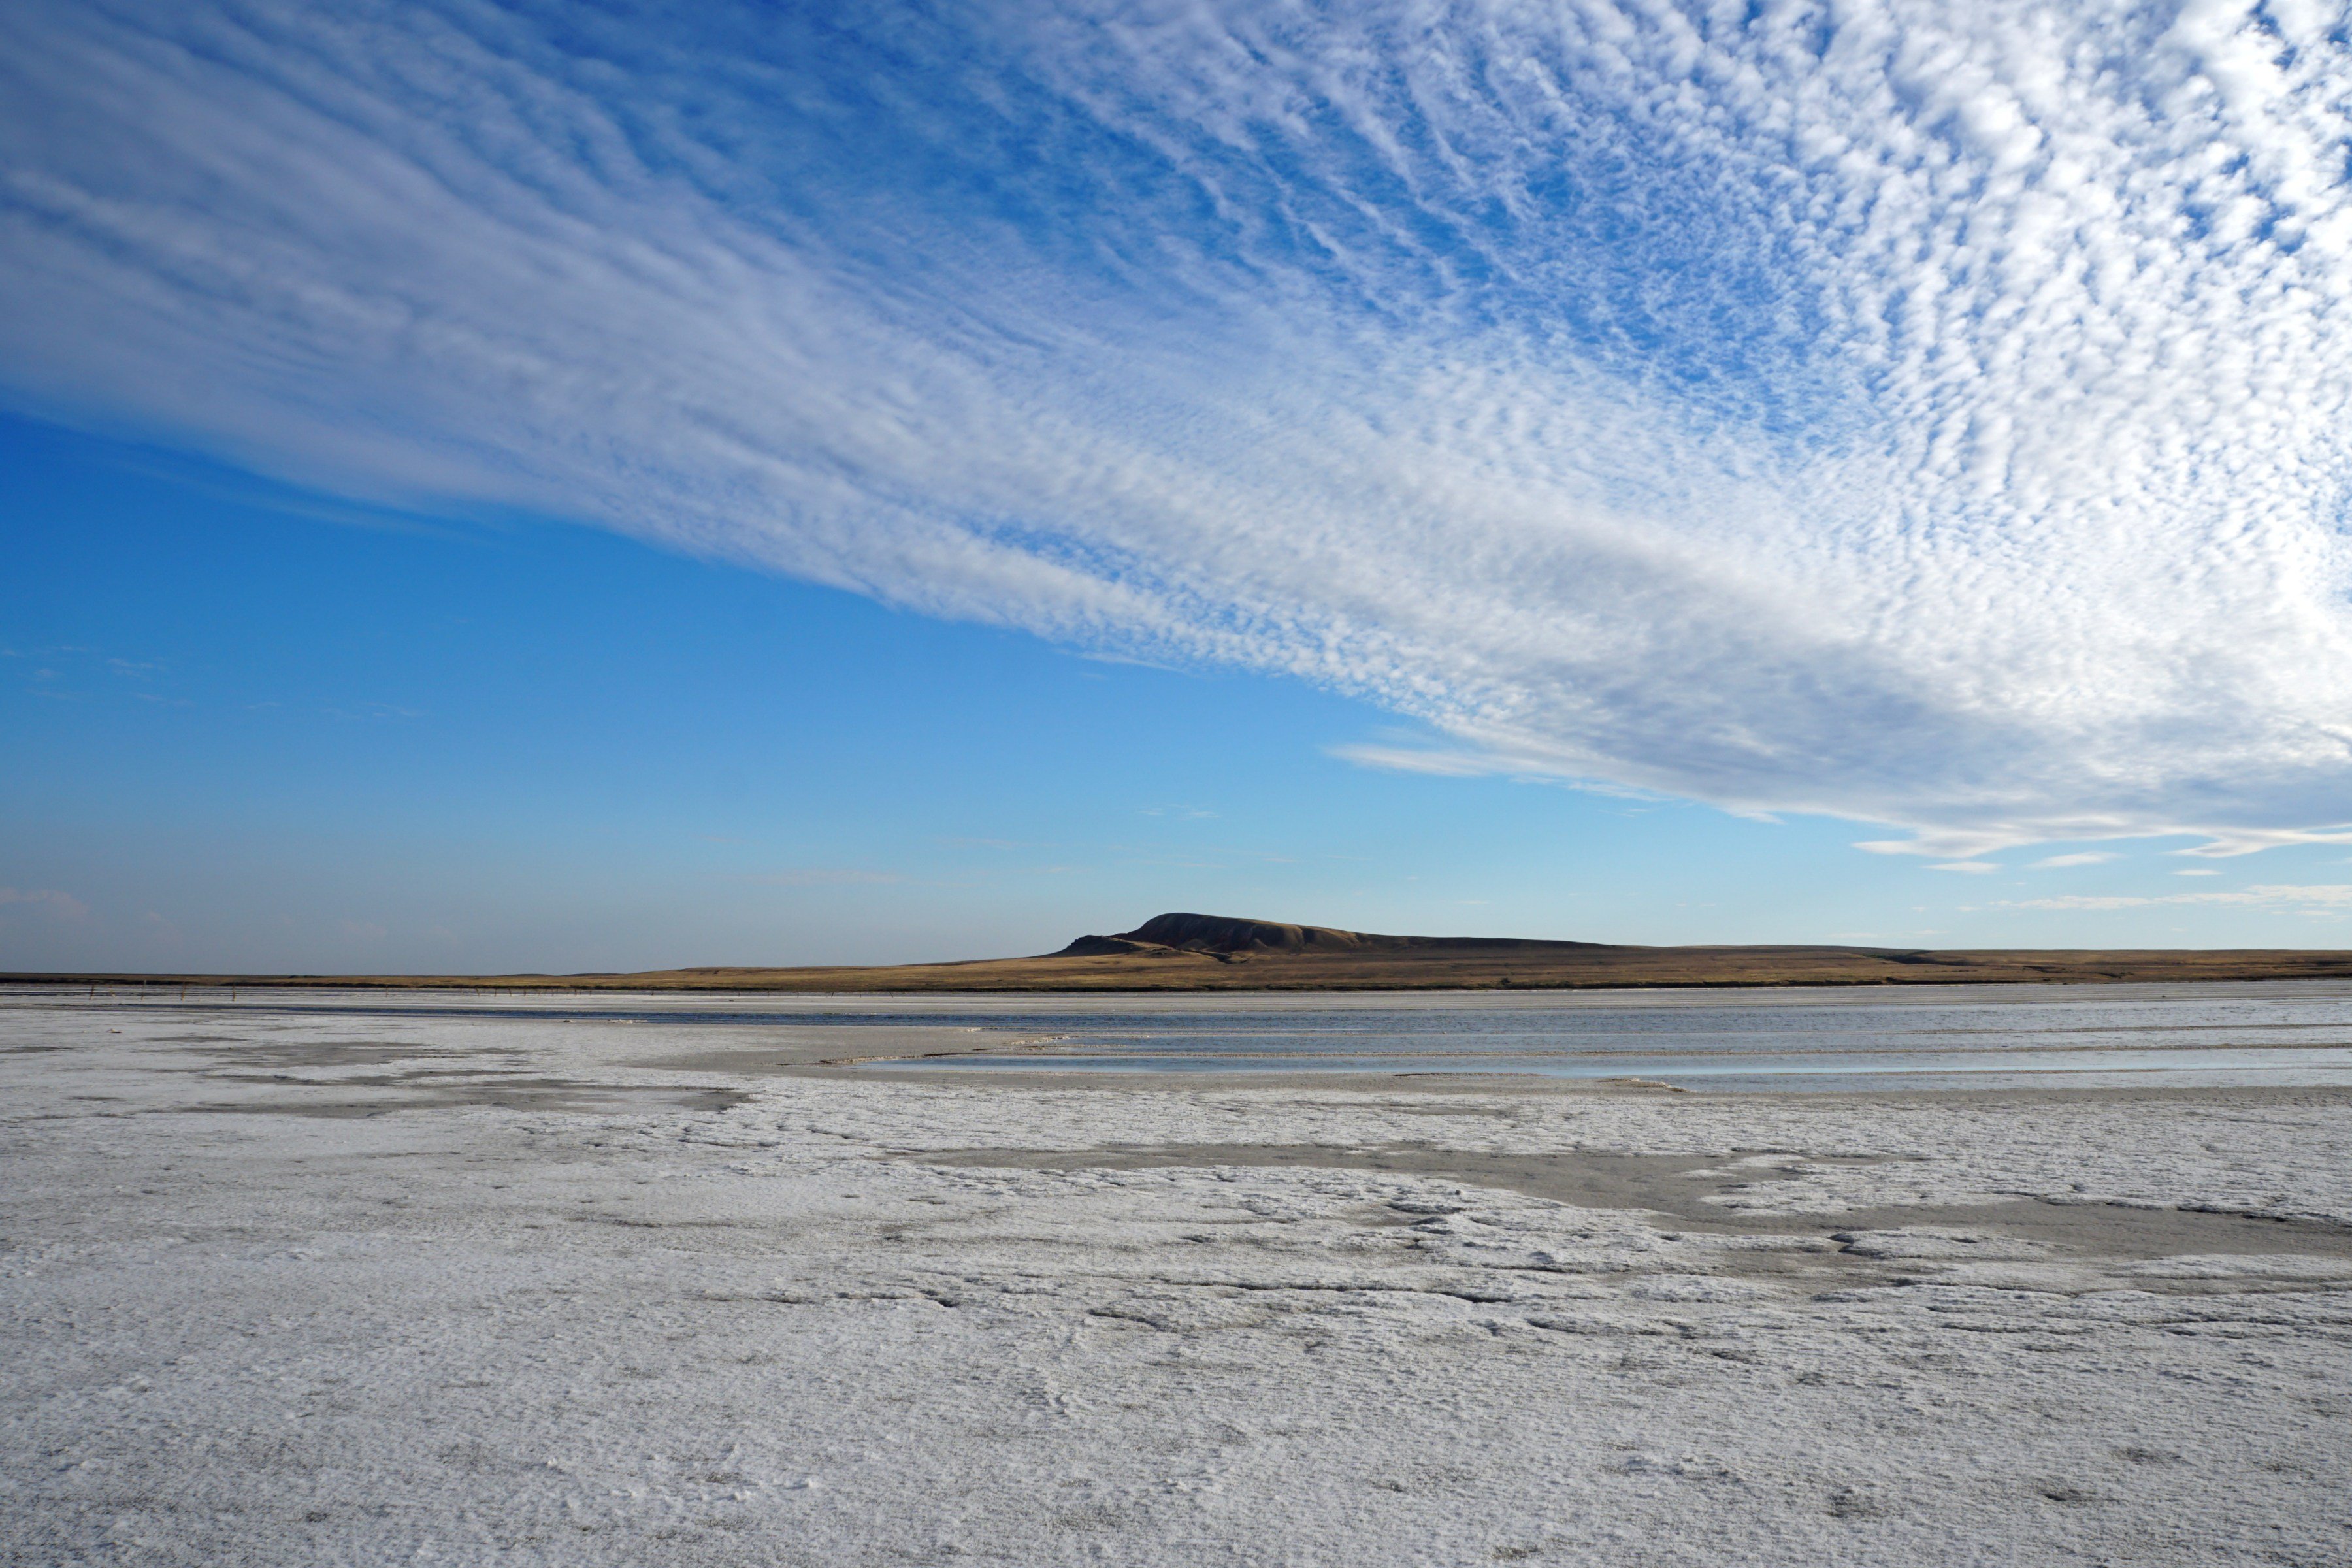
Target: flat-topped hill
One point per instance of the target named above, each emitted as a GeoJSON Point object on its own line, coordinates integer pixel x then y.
{"type": "Point", "coordinates": [1229, 935]}
{"type": "Point", "coordinates": [1224, 953]}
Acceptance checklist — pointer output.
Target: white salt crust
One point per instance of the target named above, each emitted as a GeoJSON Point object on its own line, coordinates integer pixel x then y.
{"type": "Point", "coordinates": [625, 1330]}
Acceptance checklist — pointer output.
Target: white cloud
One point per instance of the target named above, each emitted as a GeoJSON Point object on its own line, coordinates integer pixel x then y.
{"type": "Point", "coordinates": [1973, 866]}
{"type": "Point", "coordinates": [2233, 842]}
{"type": "Point", "coordinates": [2198, 872]}
{"type": "Point", "coordinates": [2325, 896]}
{"type": "Point", "coordinates": [62, 905]}
{"type": "Point", "coordinates": [2085, 858]}
{"type": "Point", "coordinates": [1417, 760]}
{"type": "Point", "coordinates": [1926, 414]}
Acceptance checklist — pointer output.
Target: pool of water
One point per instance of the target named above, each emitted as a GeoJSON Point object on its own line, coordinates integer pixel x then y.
{"type": "Point", "coordinates": [2279, 1033]}
{"type": "Point", "coordinates": [2292, 1032]}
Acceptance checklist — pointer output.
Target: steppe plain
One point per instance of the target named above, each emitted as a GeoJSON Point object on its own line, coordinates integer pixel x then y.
{"type": "Point", "coordinates": [343, 1277]}
{"type": "Point", "coordinates": [1179, 951]}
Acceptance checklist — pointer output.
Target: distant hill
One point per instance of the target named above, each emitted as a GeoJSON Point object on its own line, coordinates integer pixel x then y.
{"type": "Point", "coordinates": [1225, 952]}
{"type": "Point", "coordinates": [1229, 935]}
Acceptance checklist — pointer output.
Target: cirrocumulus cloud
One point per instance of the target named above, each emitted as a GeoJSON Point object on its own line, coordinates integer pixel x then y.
{"type": "Point", "coordinates": [1929, 415]}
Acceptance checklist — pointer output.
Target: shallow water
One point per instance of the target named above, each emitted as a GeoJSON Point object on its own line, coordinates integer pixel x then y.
{"type": "Point", "coordinates": [2291, 1034]}
{"type": "Point", "coordinates": [2279, 1033]}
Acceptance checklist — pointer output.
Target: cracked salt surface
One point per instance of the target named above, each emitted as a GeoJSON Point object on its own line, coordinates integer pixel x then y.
{"type": "Point", "coordinates": [516, 1296]}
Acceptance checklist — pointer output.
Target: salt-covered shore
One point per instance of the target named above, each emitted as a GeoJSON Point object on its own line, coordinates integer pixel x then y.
{"type": "Point", "coordinates": [296, 1287]}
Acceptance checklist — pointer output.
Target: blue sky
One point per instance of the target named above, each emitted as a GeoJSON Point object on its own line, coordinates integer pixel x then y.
{"type": "Point", "coordinates": [255, 727]}
{"type": "Point", "coordinates": [577, 487]}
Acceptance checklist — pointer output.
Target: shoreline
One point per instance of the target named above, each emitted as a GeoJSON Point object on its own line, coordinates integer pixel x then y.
{"type": "Point", "coordinates": [439, 985]}
{"type": "Point", "coordinates": [1225, 956]}
{"type": "Point", "coordinates": [1528, 1044]}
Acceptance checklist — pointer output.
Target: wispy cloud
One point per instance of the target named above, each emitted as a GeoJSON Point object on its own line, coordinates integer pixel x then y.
{"type": "Point", "coordinates": [2323, 896]}
{"type": "Point", "coordinates": [825, 876]}
{"type": "Point", "coordinates": [1442, 762]}
{"type": "Point", "coordinates": [2224, 842]}
{"type": "Point", "coordinates": [2083, 858]}
{"type": "Point", "coordinates": [50, 901]}
{"type": "Point", "coordinates": [1932, 414]}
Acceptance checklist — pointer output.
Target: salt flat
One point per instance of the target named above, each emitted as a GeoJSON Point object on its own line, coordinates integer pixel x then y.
{"type": "Point", "coordinates": [288, 1285]}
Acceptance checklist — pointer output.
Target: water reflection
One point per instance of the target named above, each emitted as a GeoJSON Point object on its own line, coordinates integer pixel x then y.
{"type": "Point", "coordinates": [2294, 1033]}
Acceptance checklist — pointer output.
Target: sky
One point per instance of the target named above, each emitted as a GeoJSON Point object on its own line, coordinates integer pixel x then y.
{"type": "Point", "coordinates": [575, 487]}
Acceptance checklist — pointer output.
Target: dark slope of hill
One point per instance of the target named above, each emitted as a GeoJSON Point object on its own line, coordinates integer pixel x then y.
{"type": "Point", "coordinates": [1231, 934]}
{"type": "Point", "coordinates": [1216, 952]}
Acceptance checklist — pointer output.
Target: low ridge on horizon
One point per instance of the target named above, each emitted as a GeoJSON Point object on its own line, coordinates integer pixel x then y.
{"type": "Point", "coordinates": [1184, 951]}
{"type": "Point", "coordinates": [1181, 932]}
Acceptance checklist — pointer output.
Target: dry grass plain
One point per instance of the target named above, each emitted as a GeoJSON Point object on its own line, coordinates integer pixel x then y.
{"type": "Point", "coordinates": [1204, 952]}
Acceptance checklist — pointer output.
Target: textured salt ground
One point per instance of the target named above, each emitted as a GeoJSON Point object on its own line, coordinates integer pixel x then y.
{"type": "Point", "coordinates": [1689, 1190]}
{"type": "Point", "coordinates": [806, 1328]}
